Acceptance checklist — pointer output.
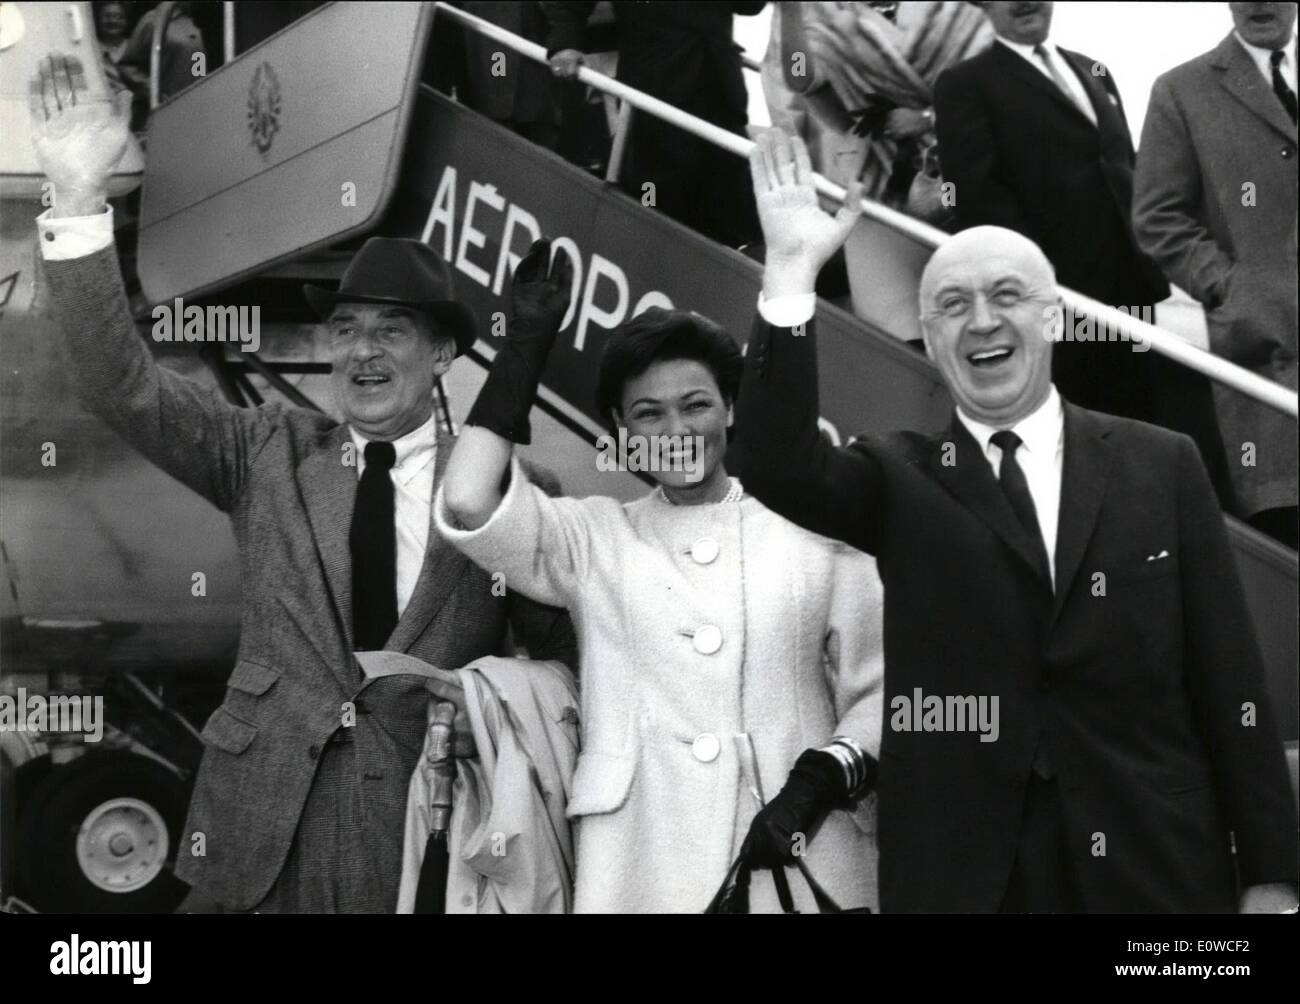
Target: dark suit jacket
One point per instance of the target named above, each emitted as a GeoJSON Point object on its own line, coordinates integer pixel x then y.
{"type": "Point", "coordinates": [681, 52]}
{"type": "Point", "coordinates": [1022, 156]}
{"type": "Point", "coordinates": [279, 474]}
{"type": "Point", "coordinates": [1134, 674]}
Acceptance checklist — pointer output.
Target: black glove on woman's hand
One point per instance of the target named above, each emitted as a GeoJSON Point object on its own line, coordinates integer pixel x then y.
{"type": "Point", "coordinates": [539, 299]}
{"type": "Point", "coordinates": [815, 786]}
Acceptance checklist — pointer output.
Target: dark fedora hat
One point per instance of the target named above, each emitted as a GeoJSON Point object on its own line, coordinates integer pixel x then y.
{"type": "Point", "coordinates": [404, 272]}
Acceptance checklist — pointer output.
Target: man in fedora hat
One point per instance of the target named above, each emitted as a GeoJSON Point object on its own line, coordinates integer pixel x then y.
{"type": "Point", "coordinates": [301, 795]}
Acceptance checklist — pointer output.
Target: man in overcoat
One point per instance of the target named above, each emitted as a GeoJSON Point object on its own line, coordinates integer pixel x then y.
{"type": "Point", "coordinates": [1214, 204]}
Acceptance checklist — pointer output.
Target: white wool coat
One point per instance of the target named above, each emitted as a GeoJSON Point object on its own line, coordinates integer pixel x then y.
{"type": "Point", "coordinates": [659, 799]}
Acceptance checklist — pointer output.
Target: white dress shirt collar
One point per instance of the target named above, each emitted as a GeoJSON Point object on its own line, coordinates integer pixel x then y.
{"type": "Point", "coordinates": [1040, 431]}
{"type": "Point", "coordinates": [1261, 58]}
{"type": "Point", "coordinates": [1027, 51]}
{"type": "Point", "coordinates": [414, 451]}
{"type": "Point", "coordinates": [1041, 458]}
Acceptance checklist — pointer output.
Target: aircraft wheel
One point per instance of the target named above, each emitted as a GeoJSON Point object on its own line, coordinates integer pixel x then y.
{"type": "Point", "coordinates": [99, 836]}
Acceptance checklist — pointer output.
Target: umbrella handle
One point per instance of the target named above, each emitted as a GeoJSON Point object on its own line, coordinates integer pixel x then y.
{"type": "Point", "coordinates": [442, 764]}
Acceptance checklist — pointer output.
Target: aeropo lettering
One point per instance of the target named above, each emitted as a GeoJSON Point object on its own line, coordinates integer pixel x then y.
{"type": "Point", "coordinates": [604, 295]}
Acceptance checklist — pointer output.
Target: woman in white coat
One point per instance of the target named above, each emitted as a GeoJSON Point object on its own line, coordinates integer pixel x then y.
{"type": "Point", "coordinates": [702, 617]}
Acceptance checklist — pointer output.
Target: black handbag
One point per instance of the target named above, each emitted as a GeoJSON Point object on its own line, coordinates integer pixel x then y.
{"type": "Point", "coordinates": [733, 895]}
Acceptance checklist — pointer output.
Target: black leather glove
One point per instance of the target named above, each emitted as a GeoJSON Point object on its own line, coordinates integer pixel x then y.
{"type": "Point", "coordinates": [539, 299]}
{"type": "Point", "coordinates": [815, 785]}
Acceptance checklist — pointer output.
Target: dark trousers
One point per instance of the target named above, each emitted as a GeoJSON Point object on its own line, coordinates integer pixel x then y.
{"type": "Point", "coordinates": [584, 133]}
{"type": "Point", "coordinates": [330, 868]}
{"type": "Point", "coordinates": [1042, 877]}
{"type": "Point", "coordinates": [1183, 400]}
{"type": "Point", "coordinates": [695, 183]}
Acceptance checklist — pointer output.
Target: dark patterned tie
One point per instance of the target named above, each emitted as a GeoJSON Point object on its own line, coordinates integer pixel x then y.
{"type": "Point", "coordinates": [1016, 487]}
{"type": "Point", "coordinates": [1284, 93]}
{"type": "Point", "coordinates": [374, 552]}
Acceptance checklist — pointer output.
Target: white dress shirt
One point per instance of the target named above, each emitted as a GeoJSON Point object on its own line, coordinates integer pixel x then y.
{"type": "Point", "coordinates": [412, 473]}
{"type": "Point", "coordinates": [1261, 58]}
{"type": "Point", "coordinates": [1040, 455]}
{"type": "Point", "coordinates": [1072, 81]}
{"type": "Point", "coordinates": [1042, 432]}
{"type": "Point", "coordinates": [412, 477]}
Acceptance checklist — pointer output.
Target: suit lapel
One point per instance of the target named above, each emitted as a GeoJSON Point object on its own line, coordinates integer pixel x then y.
{"type": "Point", "coordinates": [970, 480]}
{"type": "Point", "coordinates": [1015, 64]}
{"type": "Point", "coordinates": [329, 489]}
{"type": "Point", "coordinates": [1103, 107]}
{"type": "Point", "coordinates": [1085, 469]}
{"type": "Point", "coordinates": [1242, 79]}
{"type": "Point", "coordinates": [442, 568]}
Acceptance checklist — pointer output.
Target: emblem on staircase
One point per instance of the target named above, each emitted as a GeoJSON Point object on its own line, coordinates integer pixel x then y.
{"type": "Point", "coordinates": [264, 108]}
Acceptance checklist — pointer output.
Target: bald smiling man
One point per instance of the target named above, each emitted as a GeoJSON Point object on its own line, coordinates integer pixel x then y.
{"type": "Point", "coordinates": [1068, 567]}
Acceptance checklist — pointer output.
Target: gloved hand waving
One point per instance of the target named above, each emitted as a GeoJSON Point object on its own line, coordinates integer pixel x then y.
{"type": "Point", "coordinates": [539, 298]}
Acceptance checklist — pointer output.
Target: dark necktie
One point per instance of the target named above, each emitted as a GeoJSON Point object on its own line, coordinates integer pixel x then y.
{"type": "Point", "coordinates": [374, 552]}
{"type": "Point", "coordinates": [1012, 478]}
{"type": "Point", "coordinates": [1017, 489]}
{"type": "Point", "coordinates": [1284, 93]}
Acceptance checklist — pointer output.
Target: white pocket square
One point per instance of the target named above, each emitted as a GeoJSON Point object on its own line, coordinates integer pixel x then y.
{"type": "Point", "coordinates": [1157, 557]}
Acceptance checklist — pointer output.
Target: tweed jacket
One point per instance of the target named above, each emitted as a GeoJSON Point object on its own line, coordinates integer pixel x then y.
{"type": "Point", "coordinates": [281, 475]}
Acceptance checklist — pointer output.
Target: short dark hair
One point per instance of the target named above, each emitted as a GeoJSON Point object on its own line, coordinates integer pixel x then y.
{"type": "Point", "coordinates": [659, 334]}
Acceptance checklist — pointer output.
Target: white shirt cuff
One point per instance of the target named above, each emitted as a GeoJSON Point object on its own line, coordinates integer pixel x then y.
{"type": "Point", "coordinates": [787, 311]}
{"type": "Point", "coordinates": [74, 236]}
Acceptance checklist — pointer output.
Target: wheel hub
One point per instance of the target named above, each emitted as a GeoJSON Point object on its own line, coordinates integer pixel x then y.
{"type": "Point", "coordinates": [122, 845]}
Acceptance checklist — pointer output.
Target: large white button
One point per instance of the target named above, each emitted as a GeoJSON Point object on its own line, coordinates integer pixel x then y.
{"type": "Point", "coordinates": [704, 550]}
{"type": "Point", "coordinates": [706, 747]}
{"type": "Point", "coordinates": [708, 639]}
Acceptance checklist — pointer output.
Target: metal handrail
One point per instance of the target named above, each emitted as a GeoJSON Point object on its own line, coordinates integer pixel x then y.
{"type": "Point", "coordinates": [1167, 343]}
{"type": "Point", "coordinates": [164, 17]}
{"type": "Point", "coordinates": [227, 31]}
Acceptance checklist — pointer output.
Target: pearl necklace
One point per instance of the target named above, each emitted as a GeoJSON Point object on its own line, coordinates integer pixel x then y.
{"type": "Point", "coordinates": [734, 494]}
